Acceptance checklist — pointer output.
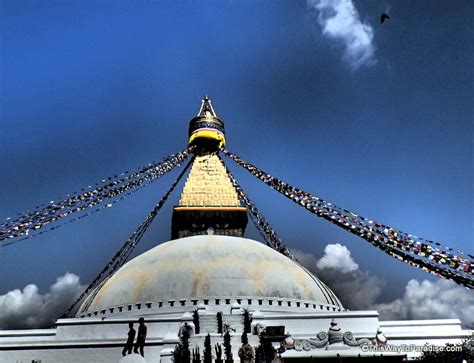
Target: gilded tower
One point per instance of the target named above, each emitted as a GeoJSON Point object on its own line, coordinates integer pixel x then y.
{"type": "Point", "coordinates": [209, 203]}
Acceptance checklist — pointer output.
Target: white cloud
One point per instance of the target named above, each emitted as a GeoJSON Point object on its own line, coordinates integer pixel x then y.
{"type": "Point", "coordinates": [431, 300]}
{"type": "Point", "coordinates": [357, 289]}
{"type": "Point", "coordinates": [339, 20]}
{"type": "Point", "coordinates": [338, 257]}
{"type": "Point", "coordinates": [27, 308]}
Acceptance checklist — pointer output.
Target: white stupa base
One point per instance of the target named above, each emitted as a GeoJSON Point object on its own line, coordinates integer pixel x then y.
{"type": "Point", "coordinates": [132, 358]}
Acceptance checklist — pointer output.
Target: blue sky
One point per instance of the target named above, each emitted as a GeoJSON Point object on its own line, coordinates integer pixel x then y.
{"type": "Point", "coordinates": [376, 118]}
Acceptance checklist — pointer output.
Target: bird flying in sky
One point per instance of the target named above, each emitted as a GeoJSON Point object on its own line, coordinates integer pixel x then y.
{"type": "Point", "coordinates": [383, 17]}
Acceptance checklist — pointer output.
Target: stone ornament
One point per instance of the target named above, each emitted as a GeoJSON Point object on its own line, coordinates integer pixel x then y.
{"type": "Point", "coordinates": [380, 339]}
{"type": "Point", "coordinates": [289, 343]}
{"type": "Point", "coordinates": [348, 339]}
{"type": "Point", "coordinates": [334, 335]}
{"type": "Point", "coordinates": [321, 340]}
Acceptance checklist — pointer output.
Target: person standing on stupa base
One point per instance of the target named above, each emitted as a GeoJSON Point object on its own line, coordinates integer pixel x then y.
{"type": "Point", "coordinates": [141, 337]}
{"type": "Point", "coordinates": [127, 349]}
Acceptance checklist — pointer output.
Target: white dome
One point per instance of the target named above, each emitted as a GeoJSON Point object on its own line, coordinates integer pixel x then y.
{"type": "Point", "coordinates": [209, 266]}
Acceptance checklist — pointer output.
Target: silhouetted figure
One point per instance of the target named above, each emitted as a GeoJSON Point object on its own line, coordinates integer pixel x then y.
{"type": "Point", "coordinates": [129, 344]}
{"type": "Point", "coordinates": [384, 17]}
{"type": "Point", "coordinates": [140, 337]}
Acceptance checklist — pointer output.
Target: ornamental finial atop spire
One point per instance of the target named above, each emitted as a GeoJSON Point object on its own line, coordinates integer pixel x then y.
{"type": "Point", "coordinates": [206, 106]}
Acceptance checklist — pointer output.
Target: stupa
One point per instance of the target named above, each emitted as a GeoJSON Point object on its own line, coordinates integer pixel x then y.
{"type": "Point", "coordinates": [209, 279]}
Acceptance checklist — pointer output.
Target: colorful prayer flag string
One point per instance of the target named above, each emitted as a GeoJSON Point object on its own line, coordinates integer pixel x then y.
{"type": "Point", "coordinates": [31, 222]}
{"type": "Point", "coordinates": [406, 247]}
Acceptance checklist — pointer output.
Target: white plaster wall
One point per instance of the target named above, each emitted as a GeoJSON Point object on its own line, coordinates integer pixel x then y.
{"type": "Point", "coordinates": [91, 355]}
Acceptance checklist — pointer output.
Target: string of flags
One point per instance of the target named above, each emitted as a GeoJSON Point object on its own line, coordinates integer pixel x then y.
{"type": "Point", "coordinates": [408, 248]}
{"type": "Point", "coordinates": [263, 227]}
{"type": "Point", "coordinates": [33, 220]}
{"type": "Point", "coordinates": [122, 255]}
{"type": "Point", "coordinates": [425, 254]}
{"type": "Point", "coordinates": [124, 176]}
{"type": "Point", "coordinates": [110, 204]}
